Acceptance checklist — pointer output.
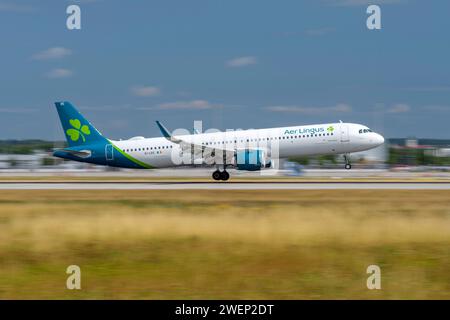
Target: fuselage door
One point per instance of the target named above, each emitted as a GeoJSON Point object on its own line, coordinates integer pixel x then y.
{"type": "Point", "coordinates": [109, 152]}
{"type": "Point", "coordinates": [344, 132]}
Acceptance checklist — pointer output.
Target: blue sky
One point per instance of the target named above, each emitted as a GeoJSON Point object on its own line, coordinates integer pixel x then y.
{"type": "Point", "coordinates": [232, 64]}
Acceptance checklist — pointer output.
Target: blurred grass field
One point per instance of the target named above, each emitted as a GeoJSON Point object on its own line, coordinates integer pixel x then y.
{"type": "Point", "coordinates": [281, 244]}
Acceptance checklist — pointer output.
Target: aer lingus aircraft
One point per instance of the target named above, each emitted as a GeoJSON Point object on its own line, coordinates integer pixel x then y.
{"type": "Point", "coordinates": [251, 150]}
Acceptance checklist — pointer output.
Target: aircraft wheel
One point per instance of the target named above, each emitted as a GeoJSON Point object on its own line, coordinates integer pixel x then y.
{"type": "Point", "coordinates": [217, 175]}
{"type": "Point", "coordinates": [348, 166]}
{"type": "Point", "coordinates": [224, 176]}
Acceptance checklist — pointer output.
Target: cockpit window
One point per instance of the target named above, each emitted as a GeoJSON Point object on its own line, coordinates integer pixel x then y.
{"type": "Point", "coordinates": [364, 130]}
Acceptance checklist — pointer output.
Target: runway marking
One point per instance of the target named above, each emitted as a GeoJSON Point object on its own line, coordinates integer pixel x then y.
{"type": "Point", "coordinates": [251, 185]}
{"type": "Point", "coordinates": [218, 182]}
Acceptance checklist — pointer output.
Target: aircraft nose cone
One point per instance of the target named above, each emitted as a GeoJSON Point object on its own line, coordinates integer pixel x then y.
{"type": "Point", "coordinates": [379, 139]}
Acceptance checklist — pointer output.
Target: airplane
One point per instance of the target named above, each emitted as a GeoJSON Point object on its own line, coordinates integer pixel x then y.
{"type": "Point", "coordinates": [251, 150]}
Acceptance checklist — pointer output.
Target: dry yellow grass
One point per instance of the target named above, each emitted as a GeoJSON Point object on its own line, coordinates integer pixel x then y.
{"type": "Point", "coordinates": [225, 244]}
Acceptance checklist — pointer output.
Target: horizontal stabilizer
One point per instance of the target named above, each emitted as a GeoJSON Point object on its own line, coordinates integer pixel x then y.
{"type": "Point", "coordinates": [76, 153]}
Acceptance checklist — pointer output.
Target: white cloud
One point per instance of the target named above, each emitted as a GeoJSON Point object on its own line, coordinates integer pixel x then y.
{"type": "Point", "coordinates": [145, 91]}
{"type": "Point", "coordinates": [52, 53]}
{"type": "Point", "coordinates": [241, 62]}
{"type": "Point", "coordinates": [399, 108]}
{"type": "Point", "coordinates": [339, 108]}
{"type": "Point", "coordinates": [186, 105]}
{"type": "Point", "coordinates": [59, 73]}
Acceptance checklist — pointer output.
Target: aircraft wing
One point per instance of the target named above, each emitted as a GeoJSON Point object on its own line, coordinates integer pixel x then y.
{"type": "Point", "coordinates": [210, 154]}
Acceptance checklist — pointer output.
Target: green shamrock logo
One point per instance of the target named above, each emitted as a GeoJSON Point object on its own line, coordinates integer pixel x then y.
{"type": "Point", "coordinates": [77, 130]}
{"type": "Point", "coordinates": [330, 129]}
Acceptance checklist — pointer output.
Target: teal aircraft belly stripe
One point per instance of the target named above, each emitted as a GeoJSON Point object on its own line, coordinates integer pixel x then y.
{"type": "Point", "coordinates": [136, 161]}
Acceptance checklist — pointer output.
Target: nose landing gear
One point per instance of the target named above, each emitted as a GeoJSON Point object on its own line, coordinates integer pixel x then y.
{"type": "Point", "coordinates": [221, 175]}
{"type": "Point", "coordinates": [348, 166]}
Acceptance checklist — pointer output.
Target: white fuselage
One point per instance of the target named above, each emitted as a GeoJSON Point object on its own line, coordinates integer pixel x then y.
{"type": "Point", "coordinates": [283, 142]}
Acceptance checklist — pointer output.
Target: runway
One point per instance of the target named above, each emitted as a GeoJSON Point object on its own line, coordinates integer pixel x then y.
{"type": "Point", "coordinates": [254, 185]}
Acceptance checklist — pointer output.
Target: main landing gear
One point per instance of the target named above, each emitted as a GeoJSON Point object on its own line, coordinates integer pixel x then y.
{"type": "Point", "coordinates": [348, 166]}
{"type": "Point", "coordinates": [220, 175]}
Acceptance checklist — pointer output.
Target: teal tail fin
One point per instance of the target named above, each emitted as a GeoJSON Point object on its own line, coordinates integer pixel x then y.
{"type": "Point", "coordinates": [77, 129]}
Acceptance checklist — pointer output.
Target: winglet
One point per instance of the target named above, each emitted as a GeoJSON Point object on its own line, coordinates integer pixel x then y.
{"type": "Point", "coordinates": [164, 131]}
